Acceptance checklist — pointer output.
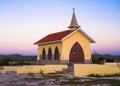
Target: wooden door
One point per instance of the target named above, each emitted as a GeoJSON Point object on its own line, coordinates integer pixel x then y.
{"type": "Point", "coordinates": [76, 54]}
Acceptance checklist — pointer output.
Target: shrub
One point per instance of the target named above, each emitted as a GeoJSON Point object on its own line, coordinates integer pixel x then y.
{"type": "Point", "coordinates": [99, 59]}
{"type": "Point", "coordinates": [30, 74]}
{"type": "Point", "coordinates": [4, 63]}
{"type": "Point", "coordinates": [105, 75]}
{"type": "Point", "coordinates": [94, 75]}
{"type": "Point", "coordinates": [41, 71]}
{"type": "Point", "coordinates": [58, 72]}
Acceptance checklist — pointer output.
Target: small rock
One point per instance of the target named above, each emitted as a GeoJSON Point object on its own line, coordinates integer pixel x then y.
{"type": "Point", "coordinates": [32, 84]}
{"type": "Point", "coordinates": [38, 76]}
{"type": "Point", "coordinates": [84, 80]}
{"type": "Point", "coordinates": [49, 83]}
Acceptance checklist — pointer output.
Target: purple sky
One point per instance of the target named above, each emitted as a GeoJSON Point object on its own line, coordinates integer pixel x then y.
{"type": "Point", "coordinates": [23, 22]}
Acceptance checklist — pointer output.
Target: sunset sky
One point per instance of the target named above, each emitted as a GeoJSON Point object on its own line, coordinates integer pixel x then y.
{"type": "Point", "coordinates": [23, 22]}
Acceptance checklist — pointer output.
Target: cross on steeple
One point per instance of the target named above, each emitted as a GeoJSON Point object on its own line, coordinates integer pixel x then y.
{"type": "Point", "coordinates": [74, 23]}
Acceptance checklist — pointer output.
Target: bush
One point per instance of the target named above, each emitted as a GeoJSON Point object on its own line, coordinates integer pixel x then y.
{"type": "Point", "coordinates": [105, 75]}
{"type": "Point", "coordinates": [4, 63]}
{"type": "Point", "coordinates": [41, 71]}
{"type": "Point", "coordinates": [99, 59]}
{"type": "Point", "coordinates": [30, 74]}
{"type": "Point", "coordinates": [23, 63]}
{"type": "Point", "coordinates": [94, 75]}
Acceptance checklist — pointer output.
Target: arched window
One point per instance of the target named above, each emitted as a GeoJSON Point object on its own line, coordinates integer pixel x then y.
{"type": "Point", "coordinates": [43, 54]}
{"type": "Point", "coordinates": [56, 54]}
{"type": "Point", "coordinates": [49, 54]}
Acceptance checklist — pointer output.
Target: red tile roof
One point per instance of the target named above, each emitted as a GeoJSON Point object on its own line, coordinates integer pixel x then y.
{"type": "Point", "coordinates": [54, 37]}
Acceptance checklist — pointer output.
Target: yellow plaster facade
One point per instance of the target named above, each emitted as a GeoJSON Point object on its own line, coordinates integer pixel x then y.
{"type": "Point", "coordinates": [71, 40]}
{"type": "Point", "coordinates": [65, 46]}
{"type": "Point", "coordinates": [47, 46]}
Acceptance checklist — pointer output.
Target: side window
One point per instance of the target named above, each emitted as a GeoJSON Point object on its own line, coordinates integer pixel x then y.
{"type": "Point", "coordinates": [43, 54]}
{"type": "Point", "coordinates": [56, 53]}
{"type": "Point", "coordinates": [49, 54]}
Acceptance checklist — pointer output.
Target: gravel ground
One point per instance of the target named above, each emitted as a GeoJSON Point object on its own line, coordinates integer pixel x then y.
{"type": "Point", "coordinates": [64, 78]}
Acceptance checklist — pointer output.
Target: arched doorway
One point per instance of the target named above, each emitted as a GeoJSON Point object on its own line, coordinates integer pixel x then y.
{"type": "Point", "coordinates": [76, 54]}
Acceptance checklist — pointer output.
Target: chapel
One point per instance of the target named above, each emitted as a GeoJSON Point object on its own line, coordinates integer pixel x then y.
{"type": "Point", "coordinates": [69, 46]}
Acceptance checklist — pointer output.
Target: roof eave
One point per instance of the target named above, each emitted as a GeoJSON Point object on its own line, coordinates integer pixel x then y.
{"type": "Point", "coordinates": [49, 42]}
{"type": "Point", "coordinates": [92, 41]}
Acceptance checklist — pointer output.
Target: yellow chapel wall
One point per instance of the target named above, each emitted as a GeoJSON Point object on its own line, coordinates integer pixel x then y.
{"type": "Point", "coordinates": [46, 46]}
{"type": "Point", "coordinates": [69, 42]}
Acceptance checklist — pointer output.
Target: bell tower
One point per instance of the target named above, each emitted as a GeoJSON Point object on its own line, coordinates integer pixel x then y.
{"type": "Point", "coordinates": [74, 25]}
